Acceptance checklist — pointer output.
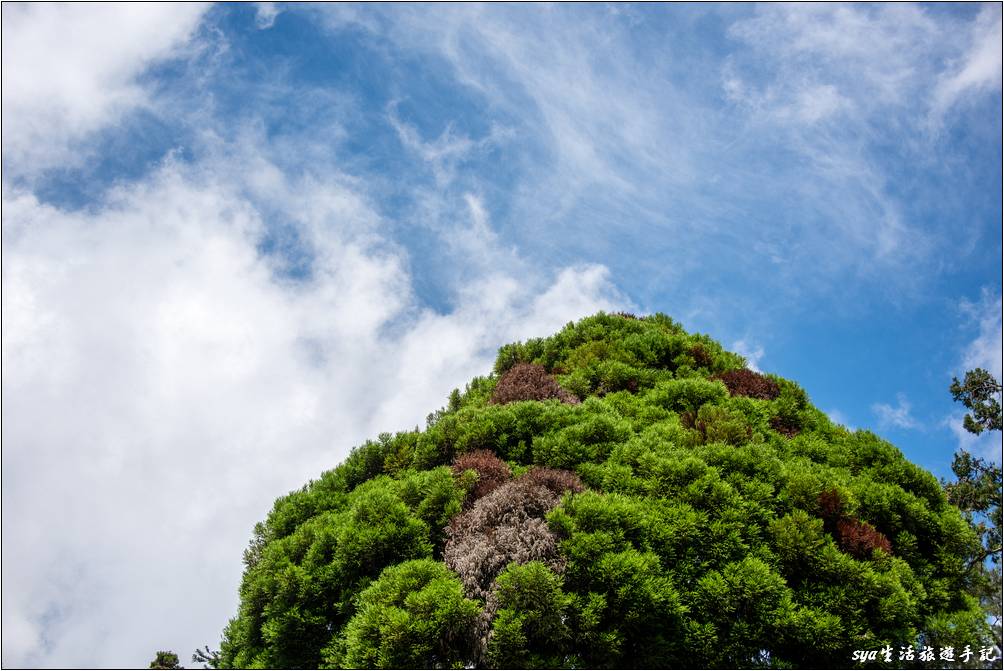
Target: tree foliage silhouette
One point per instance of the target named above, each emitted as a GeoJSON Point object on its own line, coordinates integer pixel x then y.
{"type": "Point", "coordinates": [165, 659]}
{"type": "Point", "coordinates": [630, 496]}
{"type": "Point", "coordinates": [977, 491]}
{"type": "Point", "coordinates": [977, 392]}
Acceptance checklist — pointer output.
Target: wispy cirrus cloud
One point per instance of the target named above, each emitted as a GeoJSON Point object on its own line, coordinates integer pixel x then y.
{"type": "Point", "coordinates": [983, 351]}
{"type": "Point", "coordinates": [897, 416]}
{"type": "Point", "coordinates": [444, 154]}
{"type": "Point", "coordinates": [266, 14]}
{"type": "Point", "coordinates": [873, 56]}
{"type": "Point", "coordinates": [619, 141]}
{"type": "Point", "coordinates": [827, 78]}
{"type": "Point", "coordinates": [979, 69]}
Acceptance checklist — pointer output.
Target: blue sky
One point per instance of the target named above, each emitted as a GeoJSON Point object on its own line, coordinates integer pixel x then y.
{"type": "Point", "coordinates": [240, 239]}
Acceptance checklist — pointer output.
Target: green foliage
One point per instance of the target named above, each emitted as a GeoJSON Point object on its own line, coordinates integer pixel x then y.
{"type": "Point", "coordinates": [687, 394]}
{"type": "Point", "coordinates": [977, 392]}
{"type": "Point", "coordinates": [977, 492]}
{"type": "Point", "coordinates": [165, 660]}
{"type": "Point", "coordinates": [210, 659]}
{"type": "Point", "coordinates": [749, 607]}
{"type": "Point", "coordinates": [664, 521]}
{"type": "Point", "coordinates": [414, 616]}
{"type": "Point", "coordinates": [303, 587]}
{"type": "Point", "coordinates": [530, 628]}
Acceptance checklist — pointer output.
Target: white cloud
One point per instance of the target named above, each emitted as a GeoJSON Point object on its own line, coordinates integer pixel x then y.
{"type": "Point", "coordinates": [443, 351]}
{"type": "Point", "coordinates": [825, 78]}
{"type": "Point", "coordinates": [837, 417]}
{"type": "Point", "coordinates": [265, 14]}
{"type": "Point", "coordinates": [752, 352]}
{"type": "Point", "coordinates": [70, 69]}
{"type": "Point", "coordinates": [853, 62]}
{"type": "Point", "coordinates": [596, 115]}
{"type": "Point", "coordinates": [875, 54]}
{"type": "Point", "coordinates": [988, 445]}
{"type": "Point", "coordinates": [985, 351]}
{"type": "Point", "coordinates": [895, 417]}
{"type": "Point", "coordinates": [478, 243]}
{"type": "Point", "coordinates": [163, 384]}
{"type": "Point", "coordinates": [444, 154]}
{"type": "Point", "coordinates": [834, 81]}
{"type": "Point", "coordinates": [625, 140]}
{"type": "Point", "coordinates": [817, 103]}
{"type": "Point", "coordinates": [979, 70]}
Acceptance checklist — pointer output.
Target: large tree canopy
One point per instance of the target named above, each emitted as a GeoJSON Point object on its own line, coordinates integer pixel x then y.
{"type": "Point", "coordinates": [622, 493]}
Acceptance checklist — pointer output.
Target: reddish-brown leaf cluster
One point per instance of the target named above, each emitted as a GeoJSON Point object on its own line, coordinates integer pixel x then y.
{"type": "Point", "coordinates": [831, 504]}
{"type": "Point", "coordinates": [785, 427]}
{"type": "Point", "coordinates": [529, 382]}
{"type": "Point", "coordinates": [629, 385]}
{"type": "Point", "coordinates": [860, 539]}
{"type": "Point", "coordinates": [626, 315]}
{"type": "Point", "coordinates": [745, 382]}
{"type": "Point", "coordinates": [556, 480]}
{"type": "Point", "coordinates": [855, 537]}
{"type": "Point", "coordinates": [492, 471]}
{"type": "Point", "coordinates": [701, 356]}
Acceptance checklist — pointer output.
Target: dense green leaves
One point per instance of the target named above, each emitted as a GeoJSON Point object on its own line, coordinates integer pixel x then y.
{"type": "Point", "coordinates": [165, 659]}
{"type": "Point", "coordinates": [530, 628]}
{"type": "Point", "coordinates": [303, 587]}
{"type": "Point", "coordinates": [979, 392]}
{"type": "Point", "coordinates": [717, 528]}
{"type": "Point", "coordinates": [414, 616]}
{"type": "Point", "coordinates": [977, 491]}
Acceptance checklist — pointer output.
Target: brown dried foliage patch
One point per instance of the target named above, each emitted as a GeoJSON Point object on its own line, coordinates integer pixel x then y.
{"type": "Point", "coordinates": [785, 427]}
{"type": "Point", "coordinates": [701, 356]}
{"type": "Point", "coordinates": [529, 382]}
{"type": "Point", "coordinates": [505, 526]}
{"type": "Point", "coordinates": [855, 537]}
{"type": "Point", "coordinates": [831, 504]}
{"type": "Point", "coordinates": [745, 382]}
{"type": "Point", "coordinates": [860, 539]}
{"type": "Point", "coordinates": [556, 480]}
{"type": "Point", "coordinates": [492, 471]}
{"type": "Point", "coordinates": [513, 502]}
